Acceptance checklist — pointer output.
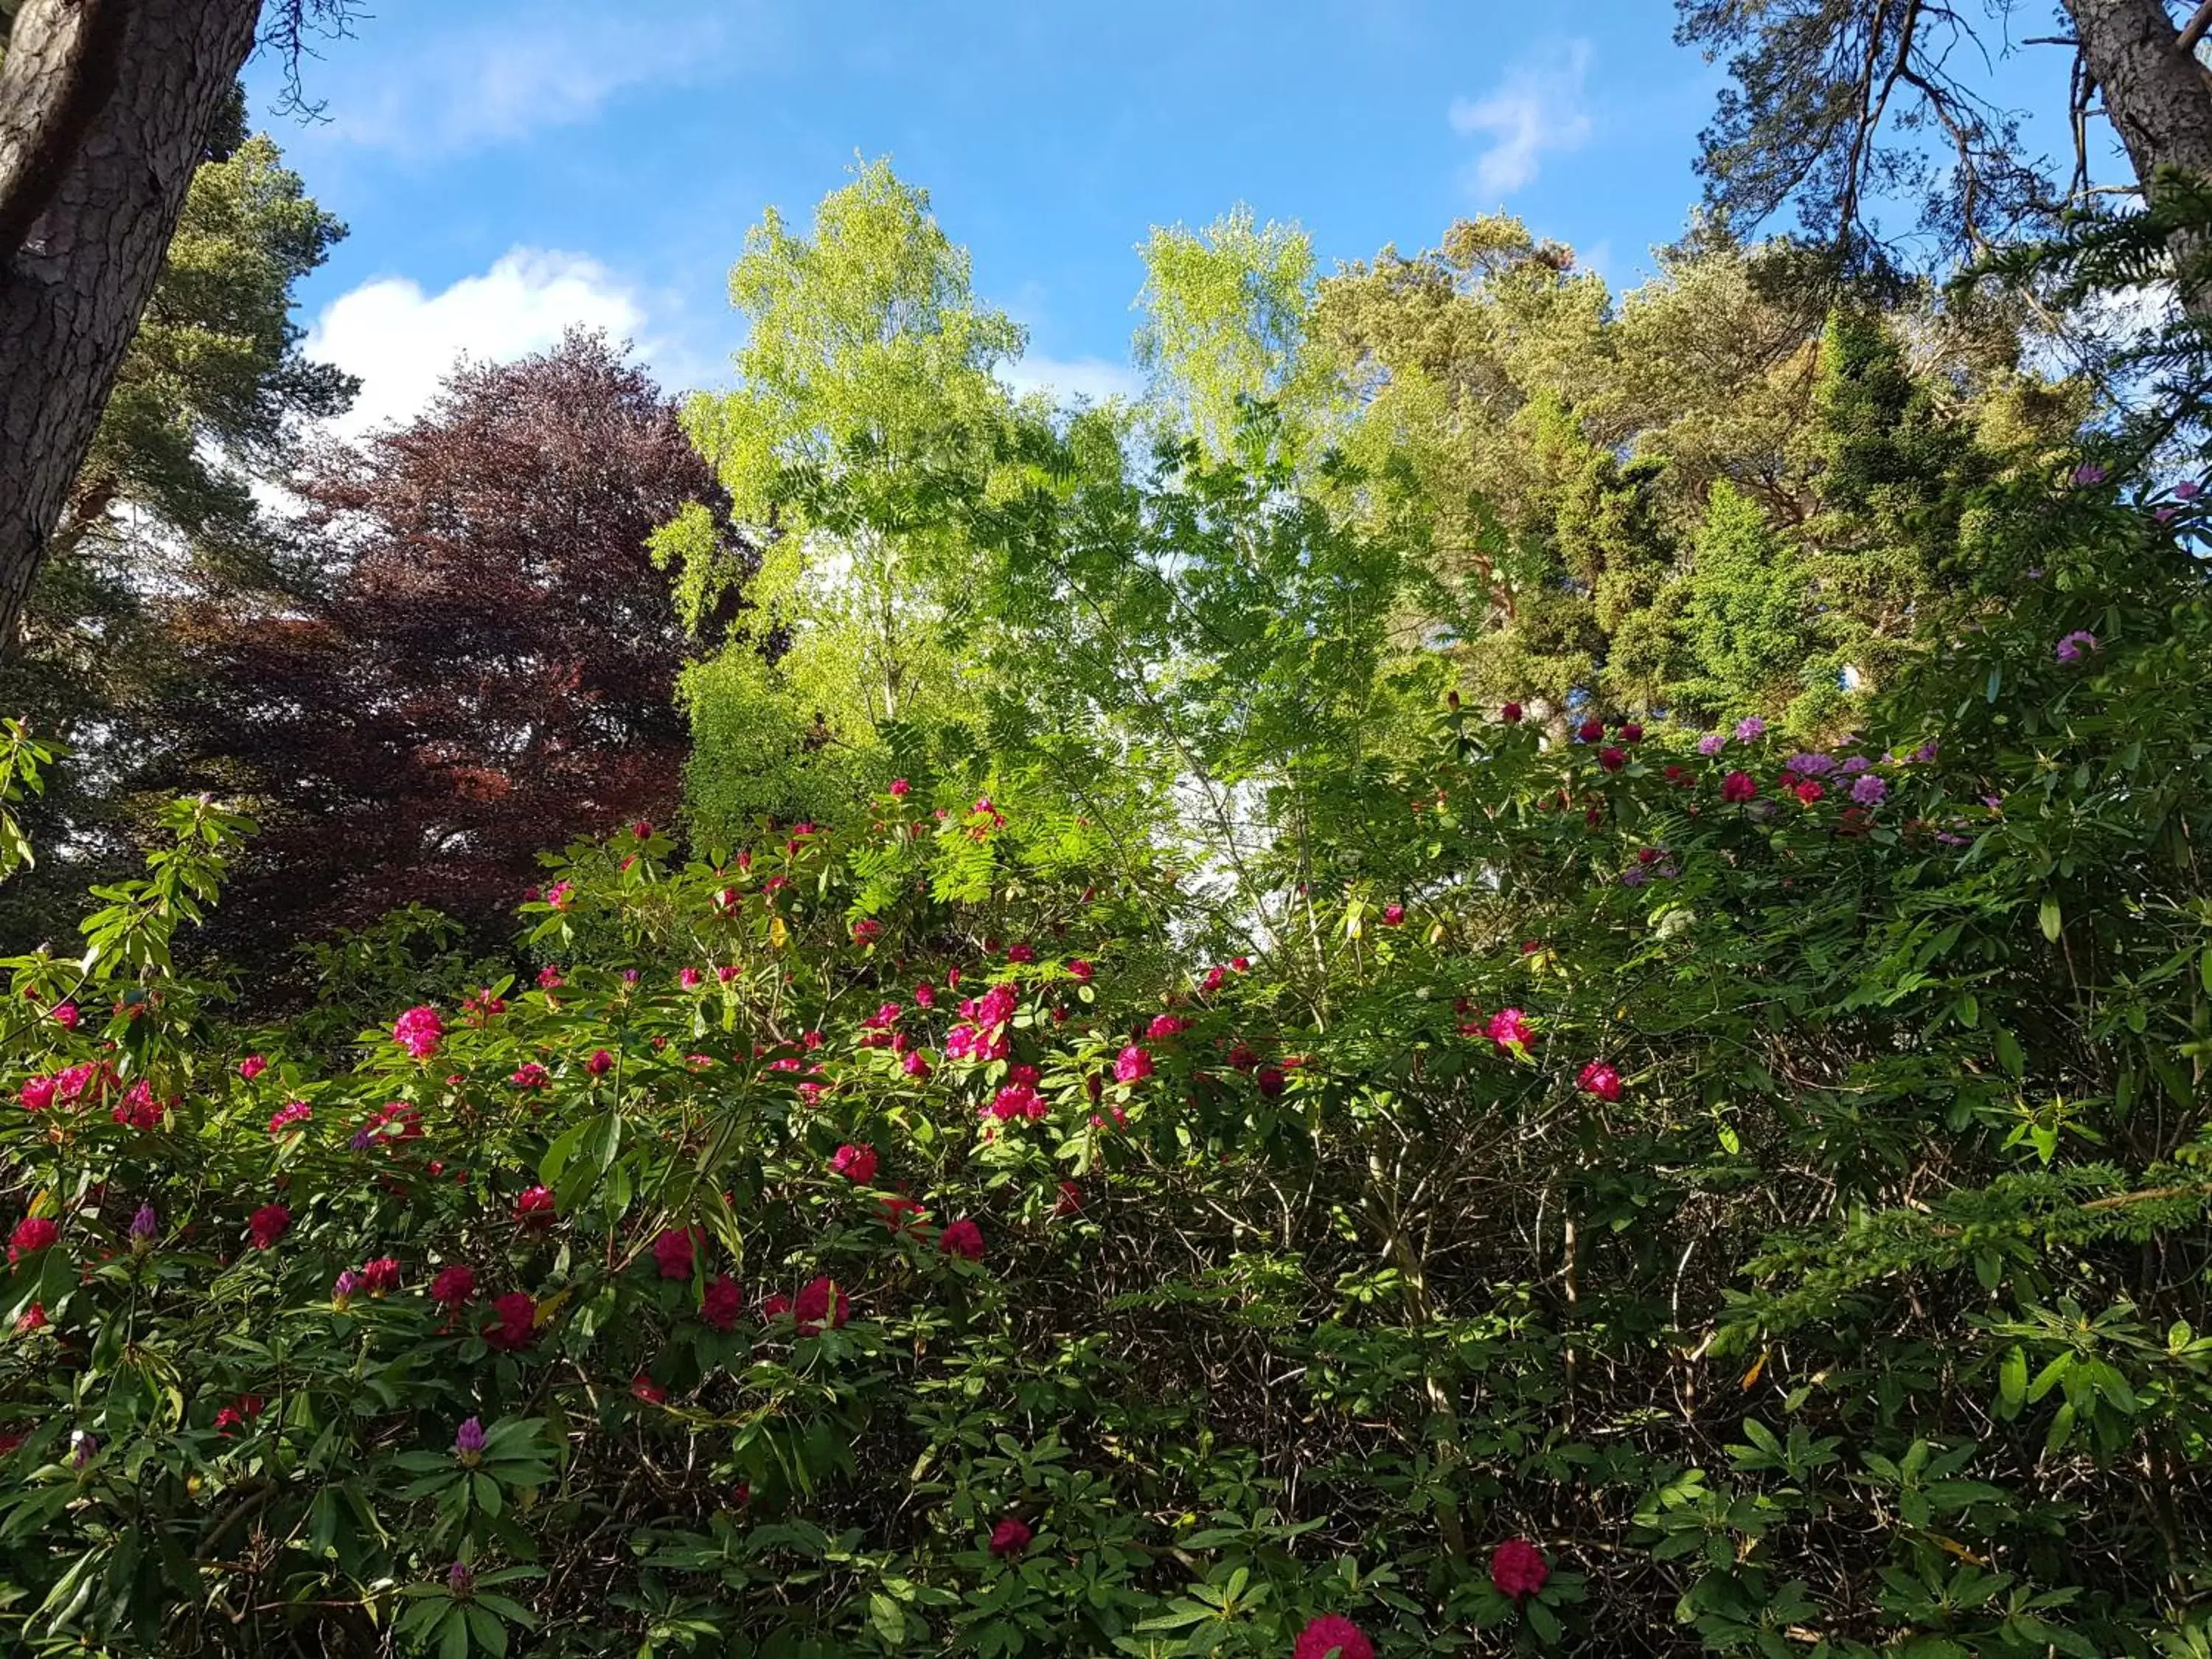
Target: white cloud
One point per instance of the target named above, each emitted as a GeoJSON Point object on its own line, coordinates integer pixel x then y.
{"type": "Point", "coordinates": [1095, 377]}
{"type": "Point", "coordinates": [1537, 108]}
{"type": "Point", "coordinates": [402, 342]}
{"type": "Point", "coordinates": [501, 80]}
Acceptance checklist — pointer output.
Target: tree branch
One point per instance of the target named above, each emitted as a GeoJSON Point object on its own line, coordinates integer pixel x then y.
{"type": "Point", "coordinates": [2193, 31]}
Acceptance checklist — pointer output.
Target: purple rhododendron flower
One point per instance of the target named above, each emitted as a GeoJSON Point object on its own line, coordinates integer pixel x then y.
{"type": "Point", "coordinates": [1712, 743]}
{"type": "Point", "coordinates": [2071, 648]}
{"type": "Point", "coordinates": [1869, 791]}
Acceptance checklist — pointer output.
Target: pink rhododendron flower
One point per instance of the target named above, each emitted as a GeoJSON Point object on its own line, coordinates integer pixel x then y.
{"type": "Point", "coordinates": [1021, 953]}
{"type": "Point", "coordinates": [534, 1208]}
{"type": "Point", "coordinates": [900, 787]}
{"type": "Point", "coordinates": [34, 1319]}
{"type": "Point", "coordinates": [1082, 969]}
{"type": "Point", "coordinates": [1131, 1064]}
{"type": "Point", "coordinates": [925, 996]}
{"type": "Point", "coordinates": [65, 1016]}
{"type": "Point", "coordinates": [291, 1112]}
{"type": "Point", "coordinates": [530, 1075]}
{"type": "Point", "coordinates": [267, 1225]}
{"type": "Point", "coordinates": [600, 1063]}
{"type": "Point", "coordinates": [1750, 730]}
{"type": "Point", "coordinates": [454, 1286]}
{"type": "Point", "coordinates": [963, 1238]}
{"type": "Point", "coordinates": [866, 931]}
{"type": "Point", "coordinates": [901, 1214]}
{"type": "Point", "coordinates": [382, 1276]}
{"type": "Point", "coordinates": [549, 977]}
{"type": "Point", "coordinates": [1165, 1025]}
{"type": "Point", "coordinates": [37, 1094]}
{"type": "Point", "coordinates": [673, 1251]}
{"type": "Point", "coordinates": [1601, 1079]}
{"type": "Point", "coordinates": [1016, 1100]}
{"type": "Point", "coordinates": [722, 1303]}
{"type": "Point", "coordinates": [251, 1066]}
{"type": "Point", "coordinates": [1517, 1568]}
{"type": "Point", "coordinates": [33, 1233]}
{"type": "Point", "coordinates": [1808, 791]}
{"type": "Point", "coordinates": [513, 1322]}
{"type": "Point", "coordinates": [855, 1163]}
{"type": "Point", "coordinates": [689, 978]}
{"type": "Point", "coordinates": [1738, 786]}
{"type": "Point", "coordinates": [916, 1065]}
{"type": "Point", "coordinates": [1009, 1537]}
{"type": "Point", "coordinates": [2074, 645]}
{"type": "Point", "coordinates": [820, 1302]}
{"type": "Point", "coordinates": [138, 1109]}
{"type": "Point", "coordinates": [419, 1031]}
{"type": "Point", "coordinates": [1332, 1634]}
{"type": "Point", "coordinates": [1394, 915]}
{"type": "Point", "coordinates": [1508, 1029]}
{"type": "Point", "coordinates": [559, 894]}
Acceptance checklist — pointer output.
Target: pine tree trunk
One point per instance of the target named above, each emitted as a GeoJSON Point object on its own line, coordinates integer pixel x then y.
{"type": "Point", "coordinates": [2159, 101]}
{"type": "Point", "coordinates": [105, 108]}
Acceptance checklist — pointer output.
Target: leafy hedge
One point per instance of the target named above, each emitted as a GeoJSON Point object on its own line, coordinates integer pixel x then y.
{"type": "Point", "coordinates": [1662, 1192]}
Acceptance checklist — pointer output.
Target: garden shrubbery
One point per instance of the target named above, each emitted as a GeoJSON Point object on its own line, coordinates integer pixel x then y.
{"type": "Point", "coordinates": [1610, 1187]}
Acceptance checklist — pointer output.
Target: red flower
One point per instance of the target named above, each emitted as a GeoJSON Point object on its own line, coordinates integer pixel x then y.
{"type": "Point", "coordinates": [381, 1276]}
{"type": "Point", "coordinates": [1632, 733]}
{"type": "Point", "coordinates": [856, 1163]}
{"type": "Point", "coordinates": [419, 1030]}
{"type": "Point", "coordinates": [1601, 1079]}
{"type": "Point", "coordinates": [1517, 1568]}
{"type": "Point", "coordinates": [1508, 1029]}
{"type": "Point", "coordinates": [514, 1322]}
{"type": "Point", "coordinates": [1070, 1200]}
{"type": "Point", "coordinates": [530, 1075]}
{"type": "Point", "coordinates": [534, 1208]}
{"type": "Point", "coordinates": [1332, 1633]}
{"type": "Point", "coordinates": [866, 931]}
{"type": "Point", "coordinates": [267, 1225]}
{"type": "Point", "coordinates": [1510, 713]}
{"type": "Point", "coordinates": [1021, 953]}
{"type": "Point", "coordinates": [65, 1016]}
{"type": "Point", "coordinates": [1612, 759]}
{"type": "Point", "coordinates": [821, 1303]}
{"type": "Point", "coordinates": [251, 1066]}
{"type": "Point", "coordinates": [648, 1390]}
{"type": "Point", "coordinates": [1131, 1064]}
{"type": "Point", "coordinates": [38, 1093]}
{"type": "Point", "coordinates": [1009, 1537]}
{"type": "Point", "coordinates": [600, 1063]}
{"type": "Point", "coordinates": [1271, 1081]}
{"type": "Point", "coordinates": [33, 1233]}
{"type": "Point", "coordinates": [1808, 791]}
{"type": "Point", "coordinates": [1590, 729]}
{"type": "Point", "coordinates": [1738, 786]}
{"type": "Point", "coordinates": [454, 1286]}
{"type": "Point", "coordinates": [1165, 1026]}
{"type": "Point", "coordinates": [239, 1412]}
{"type": "Point", "coordinates": [719, 1306]}
{"type": "Point", "coordinates": [673, 1250]}
{"type": "Point", "coordinates": [776, 1306]}
{"type": "Point", "coordinates": [1082, 969]}
{"type": "Point", "coordinates": [963, 1238]}
{"type": "Point", "coordinates": [1394, 915]}
{"type": "Point", "coordinates": [900, 1214]}
{"type": "Point", "coordinates": [34, 1319]}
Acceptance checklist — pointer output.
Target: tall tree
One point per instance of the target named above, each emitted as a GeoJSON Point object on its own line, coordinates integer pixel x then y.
{"type": "Point", "coordinates": [486, 666]}
{"type": "Point", "coordinates": [1831, 103]}
{"type": "Point", "coordinates": [214, 394]}
{"type": "Point", "coordinates": [106, 107]}
{"type": "Point", "coordinates": [867, 413]}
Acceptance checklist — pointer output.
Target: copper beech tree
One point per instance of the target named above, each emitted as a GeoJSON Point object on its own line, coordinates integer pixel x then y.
{"type": "Point", "coordinates": [482, 664]}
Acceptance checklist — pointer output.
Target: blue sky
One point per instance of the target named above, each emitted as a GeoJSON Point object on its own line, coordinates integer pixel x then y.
{"type": "Point", "coordinates": [508, 167]}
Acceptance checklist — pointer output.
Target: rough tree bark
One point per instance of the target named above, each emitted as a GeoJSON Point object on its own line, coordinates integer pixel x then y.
{"type": "Point", "coordinates": [2157, 97]}
{"type": "Point", "coordinates": [105, 108]}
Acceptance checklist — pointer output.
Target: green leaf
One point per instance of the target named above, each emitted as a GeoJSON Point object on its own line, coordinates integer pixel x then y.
{"type": "Point", "coordinates": [2047, 915]}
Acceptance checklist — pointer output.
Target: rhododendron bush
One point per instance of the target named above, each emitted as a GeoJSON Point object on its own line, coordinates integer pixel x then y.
{"type": "Point", "coordinates": [1632, 1187]}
